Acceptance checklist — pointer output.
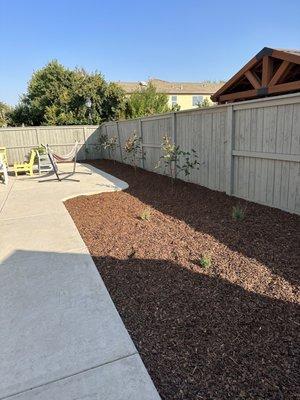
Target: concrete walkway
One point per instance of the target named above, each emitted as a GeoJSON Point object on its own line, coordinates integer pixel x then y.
{"type": "Point", "coordinates": [60, 334]}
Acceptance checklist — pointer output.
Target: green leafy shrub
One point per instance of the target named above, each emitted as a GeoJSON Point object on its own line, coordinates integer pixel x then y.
{"type": "Point", "coordinates": [40, 149]}
{"type": "Point", "coordinates": [102, 140]}
{"type": "Point", "coordinates": [108, 143]}
{"type": "Point", "coordinates": [204, 262]}
{"type": "Point", "coordinates": [133, 150]}
{"type": "Point", "coordinates": [146, 215]}
{"type": "Point", "coordinates": [176, 160]}
{"type": "Point", "coordinates": [238, 212]}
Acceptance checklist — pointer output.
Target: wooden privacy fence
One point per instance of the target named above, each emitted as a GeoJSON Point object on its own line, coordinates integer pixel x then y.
{"type": "Point", "coordinates": [20, 140]}
{"type": "Point", "coordinates": [249, 149]}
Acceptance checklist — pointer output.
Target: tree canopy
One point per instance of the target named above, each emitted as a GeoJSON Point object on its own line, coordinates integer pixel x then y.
{"type": "Point", "coordinates": [4, 114]}
{"type": "Point", "coordinates": [205, 103]}
{"type": "Point", "coordinates": [57, 96]}
{"type": "Point", "coordinates": [147, 101]}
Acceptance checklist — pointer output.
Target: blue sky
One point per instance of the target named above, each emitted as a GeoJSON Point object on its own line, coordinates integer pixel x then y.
{"type": "Point", "coordinates": [133, 40]}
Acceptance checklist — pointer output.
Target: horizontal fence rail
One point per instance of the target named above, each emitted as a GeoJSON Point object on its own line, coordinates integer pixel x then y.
{"type": "Point", "coordinates": [249, 149]}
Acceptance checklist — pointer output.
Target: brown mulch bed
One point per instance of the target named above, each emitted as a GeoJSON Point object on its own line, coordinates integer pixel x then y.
{"type": "Point", "coordinates": [224, 332]}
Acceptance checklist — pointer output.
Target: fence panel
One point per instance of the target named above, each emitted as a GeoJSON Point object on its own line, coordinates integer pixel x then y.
{"type": "Point", "coordinates": [63, 138]}
{"type": "Point", "coordinates": [249, 149]}
{"type": "Point", "coordinates": [112, 132]}
{"type": "Point", "coordinates": [204, 131]}
{"type": "Point", "coordinates": [153, 131]}
{"type": "Point", "coordinates": [266, 155]}
{"type": "Point", "coordinates": [127, 128]}
{"type": "Point", "coordinates": [91, 147]}
{"type": "Point", "coordinates": [19, 140]}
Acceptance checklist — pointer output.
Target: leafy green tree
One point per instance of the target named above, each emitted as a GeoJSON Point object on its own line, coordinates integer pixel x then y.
{"type": "Point", "coordinates": [147, 101]}
{"type": "Point", "coordinates": [57, 96]}
{"type": "Point", "coordinates": [175, 107]}
{"type": "Point", "coordinates": [21, 115]}
{"type": "Point", "coordinates": [114, 103]}
{"type": "Point", "coordinates": [5, 110]}
{"type": "Point", "coordinates": [205, 103]}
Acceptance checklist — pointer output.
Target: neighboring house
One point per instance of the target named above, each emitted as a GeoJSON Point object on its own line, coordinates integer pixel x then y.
{"type": "Point", "coordinates": [185, 94]}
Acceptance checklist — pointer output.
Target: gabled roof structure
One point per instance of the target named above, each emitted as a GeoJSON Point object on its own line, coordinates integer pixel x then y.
{"type": "Point", "coordinates": [271, 72]}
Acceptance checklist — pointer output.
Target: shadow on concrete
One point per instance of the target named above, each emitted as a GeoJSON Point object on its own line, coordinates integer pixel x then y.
{"type": "Point", "coordinates": [60, 335]}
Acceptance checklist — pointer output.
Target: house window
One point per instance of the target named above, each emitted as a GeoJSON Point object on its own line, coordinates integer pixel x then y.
{"type": "Point", "coordinates": [174, 100]}
{"type": "Point", "coordinates": [197, 100]}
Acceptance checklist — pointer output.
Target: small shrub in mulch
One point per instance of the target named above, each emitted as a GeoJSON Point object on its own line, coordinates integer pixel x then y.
{"type": "Point", "coordinates": [238, 212]}
{"type": "Point", "coordinates": [146, 215]}
{"type": "Point", "coordinates": [204, 262]}
{"type": "Point", "coordinates": [227, 331]}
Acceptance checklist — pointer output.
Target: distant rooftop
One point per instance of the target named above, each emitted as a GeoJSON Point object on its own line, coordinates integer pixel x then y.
{"type": "Point", "coordinates": [173, 87]}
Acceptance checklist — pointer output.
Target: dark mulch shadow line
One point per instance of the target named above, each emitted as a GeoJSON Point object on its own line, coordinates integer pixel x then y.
{"type": "Point", "coordinates": [269, 235]}
{"type": "Point", "coordinates": [202, 337]}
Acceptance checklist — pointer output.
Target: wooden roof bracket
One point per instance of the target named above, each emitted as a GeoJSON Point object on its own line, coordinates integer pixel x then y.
{"type": "Point", "coordinates": [263, 91]}
{"type": "Point", "coordinates": [269, 83]}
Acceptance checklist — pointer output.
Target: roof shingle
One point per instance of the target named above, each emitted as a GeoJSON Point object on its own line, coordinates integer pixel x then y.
{"type": "Point", "coordinates": [173, 87]}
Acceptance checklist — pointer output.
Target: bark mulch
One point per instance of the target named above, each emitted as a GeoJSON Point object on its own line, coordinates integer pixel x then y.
{"type": "Point", "coordinates": [228, 331]}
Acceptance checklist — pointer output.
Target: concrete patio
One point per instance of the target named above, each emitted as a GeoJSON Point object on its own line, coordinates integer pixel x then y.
{"type": "Point", "coordinates": [60, 334]}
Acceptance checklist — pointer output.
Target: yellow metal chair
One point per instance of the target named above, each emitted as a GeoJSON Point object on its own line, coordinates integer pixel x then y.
{"type": "Point", "coordinates": [27, 166]}
{"type": "Point", "coordinates": [3, 154]}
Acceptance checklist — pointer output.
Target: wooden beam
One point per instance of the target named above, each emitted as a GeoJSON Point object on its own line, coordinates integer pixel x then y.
{"type": "Point", "coordinates": [280, 72]}
{"type": "Point", "coordinates": [267, 70]}
{"type": "Point", "coordinates": [252, 79]}
{"type": "Point", "coordinates": [285, 55]}
{"type": "Point", "coordinates": [235, 77]}
{"type": "Point", "coordinates": [247, 94]}
{"type": "Point", "coordinates": [284, 87]}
